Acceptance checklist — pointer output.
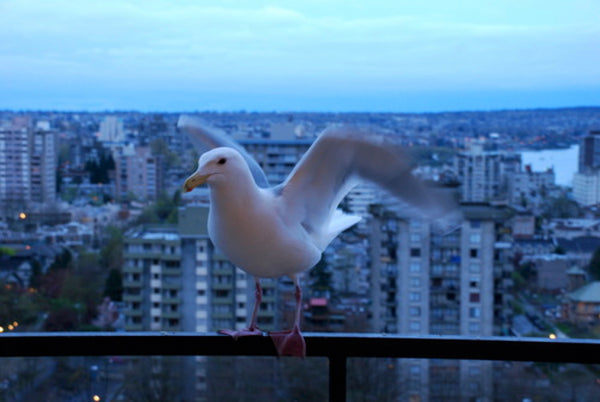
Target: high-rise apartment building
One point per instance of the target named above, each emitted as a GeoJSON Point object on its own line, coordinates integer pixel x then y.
{"type": "Point", "coordinates": [175, 280]}
{"type": "Point", "coordinates": [483, 174]}
{"type": "Point", "coordinates": [530, 188]}
{"type": "Point", "coordinates": [43, 156]}
{"type": "Point", "coordinates": [138, 173]}
{"type": "Point", "coordinates": [27, 164]}
{"type": "Point", "coordinates": [277, 157]}
{"type": "Point", "coordinates": [586, 188]}
{"type": "Point", "coordinates": [111, 130]}
{"type": "Point", "coordinates": [589, 153]}
{"type": "Point", "coordinates": [15, 167]}
{"type": "Point", "coordinates": [451, 283]}
{"type": "Point", "coordinates": [586, 182]}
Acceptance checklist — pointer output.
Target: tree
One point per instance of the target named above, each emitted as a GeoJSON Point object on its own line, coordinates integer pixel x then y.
{"type": "Point", "coordinates": [63, 260]}
{"type": "Point", "coordinates": [594, 265]}
{"type": "Point", "coordinates": [111, 254]}
{"type": "Point", "coordinates": [164, 210]}
{"type": "Point", "coordinates": [98, 169]}
{"type": "Point", "coordinates": [113, 287]}
{"type": "Point", "coordinates": [16, 305]}
{"type": "Point", "coordinates": [562, 207]}
{"type": "Point", "coordinates": [321, 278]}
{"type": "Point", "coordinates": [62, 319]}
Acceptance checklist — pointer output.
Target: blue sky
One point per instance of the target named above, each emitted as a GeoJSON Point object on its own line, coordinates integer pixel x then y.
{"type": "Point", "coordinates": [399, 56]}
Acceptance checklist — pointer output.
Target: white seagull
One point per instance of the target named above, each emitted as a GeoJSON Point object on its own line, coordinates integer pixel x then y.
{"type": "Point", "coordinates": [270, 232]}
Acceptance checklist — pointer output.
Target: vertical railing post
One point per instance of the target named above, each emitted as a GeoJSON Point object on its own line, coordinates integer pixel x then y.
{"type": "Point", "coordinates": [337, 378]}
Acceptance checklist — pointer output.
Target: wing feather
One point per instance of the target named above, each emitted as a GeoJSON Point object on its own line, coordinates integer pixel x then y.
{"type": "Point", "coordinates": [343, 155]}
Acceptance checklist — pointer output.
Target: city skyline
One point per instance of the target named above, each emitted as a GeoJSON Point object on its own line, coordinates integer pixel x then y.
{"type": "Point", "coordinates": [298, 56]}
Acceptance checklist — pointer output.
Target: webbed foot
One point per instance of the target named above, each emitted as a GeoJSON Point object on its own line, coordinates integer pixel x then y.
{"type": "Point", "coordinates": [289, 343]}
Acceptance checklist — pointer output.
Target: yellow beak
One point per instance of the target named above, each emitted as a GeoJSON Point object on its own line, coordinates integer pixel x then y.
{"type": "Point", "coordinates": [194, 181]}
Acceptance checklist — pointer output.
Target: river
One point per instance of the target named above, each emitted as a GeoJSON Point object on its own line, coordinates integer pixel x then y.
{"type": "Point", "coordinates": [564, 162]}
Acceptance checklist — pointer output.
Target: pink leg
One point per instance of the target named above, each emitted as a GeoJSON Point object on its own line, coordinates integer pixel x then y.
{"type": "Point", "coordinates": [252, 330]}
{"type": "Point", "coordinates": [291, 342]}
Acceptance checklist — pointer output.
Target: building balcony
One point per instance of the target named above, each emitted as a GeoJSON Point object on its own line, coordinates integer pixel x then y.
{"type": "Point", "coordinates": [128, 283]}
{"type": "Point", "coordinates": [170, 314]}
{"type": "Point", "coordinates": [340, 351]}
{"type": "Point", "coordinates": [170, 300]}
{"type": "Point", "coordinates": [222, 286]}
{"type": "Point", "coordinates": [171, 271]}
{"type": "Point", "coordinates": [170, 285]}
{"type": "Point", "coordinates": [130, 269]}
{"type": "Point", "coordinates": [133, 313]}
{"type": "Point", "coordinates": [132, 298]}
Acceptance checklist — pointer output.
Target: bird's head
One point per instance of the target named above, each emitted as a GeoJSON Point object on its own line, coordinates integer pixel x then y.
{"type": "Point", "coordinates": [215, 165]}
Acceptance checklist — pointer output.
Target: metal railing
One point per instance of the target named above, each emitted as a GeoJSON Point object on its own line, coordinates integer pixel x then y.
{"type": "Point", "coordinates": [337, 347]}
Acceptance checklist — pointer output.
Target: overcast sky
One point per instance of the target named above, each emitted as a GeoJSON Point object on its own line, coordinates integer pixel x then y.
{"type": "Point", "coordinates": [310, 55]}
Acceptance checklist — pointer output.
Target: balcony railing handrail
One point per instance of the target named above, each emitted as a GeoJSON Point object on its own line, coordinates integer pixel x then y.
{"type": "Point", "coordinates": [566, 350]}
{"type": "Point", "coordinates": [337, 347]}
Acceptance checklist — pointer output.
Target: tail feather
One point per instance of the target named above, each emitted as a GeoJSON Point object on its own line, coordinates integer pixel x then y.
{"type": "Point", "coordinates": [339, 222]}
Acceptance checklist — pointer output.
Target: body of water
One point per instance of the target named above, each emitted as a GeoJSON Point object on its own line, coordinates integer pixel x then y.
{"type": "Point", "coordinates": [563, 161]}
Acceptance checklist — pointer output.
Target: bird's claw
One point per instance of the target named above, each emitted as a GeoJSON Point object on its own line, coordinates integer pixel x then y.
{"type": "Point", "coordinates": [241, 333]}
{"type": "Point", "coordinates": [289, 343]}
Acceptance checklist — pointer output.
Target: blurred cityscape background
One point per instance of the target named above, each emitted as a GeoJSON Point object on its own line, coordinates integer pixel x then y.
{"type": "Point", "coordinates": [95, 235]}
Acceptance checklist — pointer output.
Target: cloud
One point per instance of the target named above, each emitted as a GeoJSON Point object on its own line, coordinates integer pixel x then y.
{"type": "Point", "coordinates": [296, 47]}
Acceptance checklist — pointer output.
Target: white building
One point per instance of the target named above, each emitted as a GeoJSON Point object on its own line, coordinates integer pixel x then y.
{"type": "Point", "coordinates": [27, 165]}
{"type": "Point", "coordinates": [483, 174]}
{"type": "Point", "coordinates": [111, 130]}
{"type": "Point", "coordinates": [452, 283]}
{"type": "Point", "coordinates": [43, 156]}
{"type": "Point", "coordinates": [530, 188]}
{"type": "Point", "coordinates": [586, 188]}
{"type": "Point", "coordinates": [138, 173]}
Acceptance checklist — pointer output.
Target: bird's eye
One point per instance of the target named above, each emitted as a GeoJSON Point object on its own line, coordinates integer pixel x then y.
{"type": "Point", "coordinates": [222, 161]}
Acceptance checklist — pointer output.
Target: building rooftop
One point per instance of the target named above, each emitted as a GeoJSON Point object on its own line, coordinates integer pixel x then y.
{"type": "Point", "coordinates": [589, 293]}
{"type": "Point", "coordinates": [583, 244]}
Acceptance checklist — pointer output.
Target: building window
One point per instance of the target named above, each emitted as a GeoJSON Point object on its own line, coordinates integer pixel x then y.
{"type": "Point", "coordinates": [474, 267]}
{"type": "Point", "coordinates": [474, 312]}
{"type": "Point", "coordinates": [415, 311]}
{"type": "Point", "coordinates": [474, 253]}
{"type": "Point", "coordinates": [415, 237]}
{"type": "Point", "coordinates": [223, 293]}
{"type": "Point", "coordinates": [414, 296]}
{"type": "Point", "coordinates": [415, 252]}
{"type": "Point", "coordinates": [475, 238]}
{"type": "Point", "coordinates": [415, 267]}
{"type": "Point", "coordinates": [474, 297]}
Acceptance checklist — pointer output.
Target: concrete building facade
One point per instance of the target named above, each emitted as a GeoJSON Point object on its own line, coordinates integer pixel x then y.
{"type": "Point", "coordinates": [452, 283]}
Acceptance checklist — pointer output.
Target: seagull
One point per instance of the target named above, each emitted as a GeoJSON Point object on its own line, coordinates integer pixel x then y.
{"type": "Point", "coordinates": [282, 230]}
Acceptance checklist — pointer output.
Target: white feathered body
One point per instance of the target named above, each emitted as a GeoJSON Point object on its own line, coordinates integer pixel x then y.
{"type": "Point", "coordinates": [250, 226]}
{"type": "Point", "coordinates": [282, 230]}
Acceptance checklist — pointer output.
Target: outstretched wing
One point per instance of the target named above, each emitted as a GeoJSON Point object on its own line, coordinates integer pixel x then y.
{"type": "Point", "coordinates": [343, 155]}
{"type": "Point", "coordinates": [205, 138]}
